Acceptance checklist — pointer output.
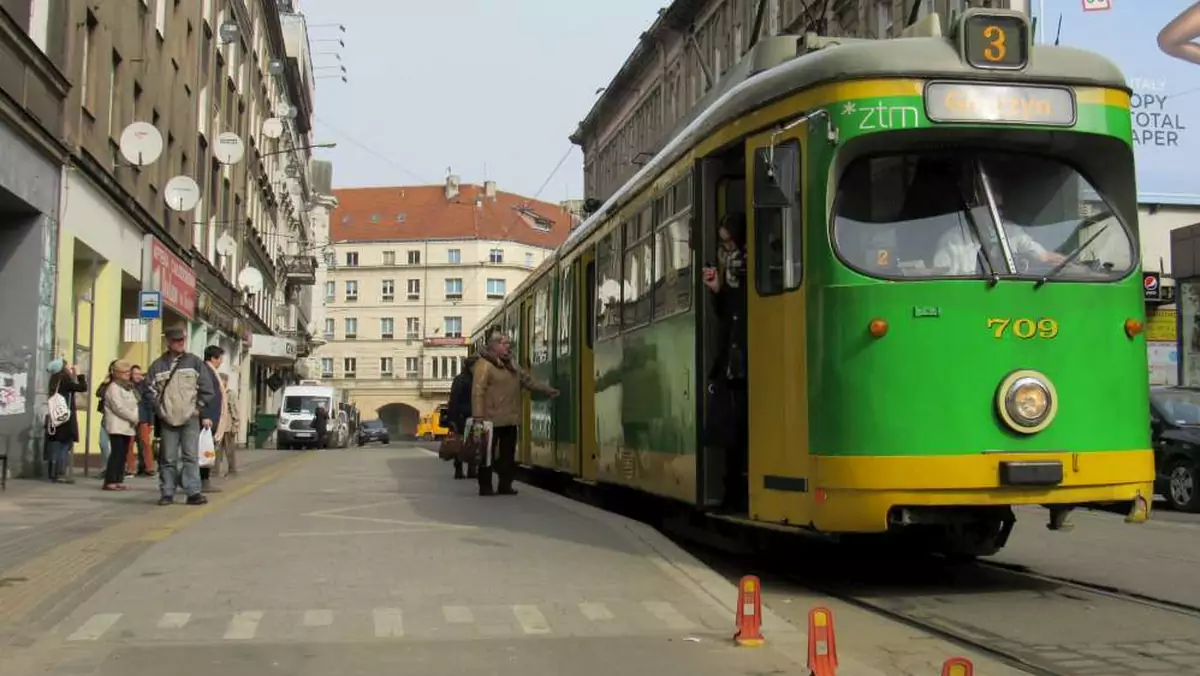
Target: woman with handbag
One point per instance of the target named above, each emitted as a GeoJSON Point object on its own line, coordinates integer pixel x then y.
{"type": "Point", "coordinates": [65, 383]}
{"type": "Point", "coordinates": [120, 421]}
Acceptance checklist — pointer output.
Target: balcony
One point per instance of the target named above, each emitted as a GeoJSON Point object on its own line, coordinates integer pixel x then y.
{"type": "Point", "coordinates": [300, 270]}
{"type": "Point", "coordinates": [434, 386]}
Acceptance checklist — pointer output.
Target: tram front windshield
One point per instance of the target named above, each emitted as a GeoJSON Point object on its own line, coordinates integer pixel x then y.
{"type": "Point", "coordinates": [977, 215]}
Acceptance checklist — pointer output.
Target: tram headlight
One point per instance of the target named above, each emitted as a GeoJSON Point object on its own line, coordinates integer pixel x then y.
{"type": "Point", "coordinates": [1026, 401]}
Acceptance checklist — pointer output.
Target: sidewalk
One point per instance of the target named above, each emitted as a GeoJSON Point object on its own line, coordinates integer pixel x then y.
{"type": "Point", "coordinates": [375, 561]}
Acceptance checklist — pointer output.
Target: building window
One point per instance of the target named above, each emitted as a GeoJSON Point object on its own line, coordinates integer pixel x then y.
{"type": "Point", "coordinates": [385, 367]}
{"type": "Point", "coordinates": [351, 290]}
{"type": "Point", "coordinates": [414, 289]}
{"type": "Point", "coordinates": [497, 288]}
{"type": "Point", "coordinates": [388, 288]}
{"type": "Point", "coordinates": [351, 328]}
{"type": "Point", "coordinates": [412, 368]}
{"type": "Point", "coordinates": [330, 292]}
{"type": "Point", "coordinates": [454, 288]}
{"type": "Point", "coordinates": [389, 257]}
{"type": "Point", "coordinates": [529, 259]}
{"type": "Point", "coordinates": [329, 328]}
{"type": "Point", "coordinates": [444, 368]}
{"type": "Point", "coordinates": [454, 327]}
{"type": "Point", "coordinates": [414, 257]}
{"type": "Point", "coordinates": [352, 259]}
{"type": "Point", "coordinates": [412, 328]}
{"type": "Point", "coordinates": [326, 367]}
{"type": "Point", "coordinates": [496, 255]}
{"type": "Point", "coordinates": [330, 259]}
{"type": "Point", "coordinates": [349, 367]}
{"type": "Point", "coordinates": [454, 256]}
{"type": "Point", "coordinates": [387, 328]}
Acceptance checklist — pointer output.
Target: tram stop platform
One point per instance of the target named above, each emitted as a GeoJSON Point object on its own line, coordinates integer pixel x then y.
{"type": "Point", "coordinates": [375, 561]}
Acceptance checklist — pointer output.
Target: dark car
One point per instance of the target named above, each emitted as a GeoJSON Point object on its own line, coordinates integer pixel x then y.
{"type": "Point", "coordinates": [373, 430]}
{"type": "Point", "coordinates": [1175, 433]}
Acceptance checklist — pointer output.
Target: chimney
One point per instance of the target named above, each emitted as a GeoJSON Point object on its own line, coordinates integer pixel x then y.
{"type": "Point", "coordinates": [451, 186]}
{"type": "Point", "coordinates": [489, 190]}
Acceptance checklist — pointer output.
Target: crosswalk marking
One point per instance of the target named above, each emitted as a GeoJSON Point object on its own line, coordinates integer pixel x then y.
{"type": "Point", "coordinates": [174, 620]}
{"type": "Point", "coordinates": [668, 614]}
{"type": "Point", "coordinates": [389, 623]}
{"type": "Point", "coordinates": [243, 626]}
{"type": "Point", "coordinates": [532, 620]}
{"type": "Point", "coordinates": [318, 618]}
{"type": "Point", "coordinates": [95, 627]}
{"type": "Point", "coordinates": [596, 612]}
{"type": "Point", "coordinates": [458, 615]}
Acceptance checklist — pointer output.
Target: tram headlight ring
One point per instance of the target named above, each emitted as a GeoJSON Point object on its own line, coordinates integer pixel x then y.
{"type": "Point", "coordinates": [1026, 401]}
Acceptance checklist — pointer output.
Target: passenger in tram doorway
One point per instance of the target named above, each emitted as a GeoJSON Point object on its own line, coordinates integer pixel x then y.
{"type": "Point", "coordinates": [496, 397]}
{"type": "Point", "coordinates": [458, 410]}
{"type": "Point", "coordinates": [728, 412]}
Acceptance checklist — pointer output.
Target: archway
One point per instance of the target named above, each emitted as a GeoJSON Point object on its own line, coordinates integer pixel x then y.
{"type": "Point", "coordinates": [400, 419]}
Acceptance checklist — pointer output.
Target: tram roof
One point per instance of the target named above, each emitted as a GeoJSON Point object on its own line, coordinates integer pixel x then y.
{"type": "Point", "coordinates": [746, 90]}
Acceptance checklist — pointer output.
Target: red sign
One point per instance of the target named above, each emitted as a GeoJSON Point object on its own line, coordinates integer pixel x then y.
{"type": "Point", "coordinates": [445, 342]}
{"type": "Point", "coordinates": [174, 278]}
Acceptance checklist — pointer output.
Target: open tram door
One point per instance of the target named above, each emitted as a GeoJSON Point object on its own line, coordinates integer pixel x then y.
{"type": "Point", "coordinates": [585, 326]}
{"type": "Point", "coordinates": [777, 339]}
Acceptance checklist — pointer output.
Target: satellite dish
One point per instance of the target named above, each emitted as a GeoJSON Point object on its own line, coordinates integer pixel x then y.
{"type": "Point", "coordinates": [182, 193]}
{"type": "Point", "coordinates": [141, 143]}
{"type": "Point", "coordinates": [275, 66]}
{"type": "Point", "coordinates": [229, 31]}
{"type": "Point", "coordinates": [287, 110]}
{"type": "Point", "coordinates": [250, 279]}
{"type": "Point", "coordinates": [226, 245]}
{"type": "Point", "coordinates": [229, 149]}
{"type": "Point", "coordinates": [272, 127]}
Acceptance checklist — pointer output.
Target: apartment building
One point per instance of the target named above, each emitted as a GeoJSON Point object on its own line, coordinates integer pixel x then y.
{"type": "Point", "coordinates": [680, 60]}
{"type": "Point", "coordinates": [412, 270]}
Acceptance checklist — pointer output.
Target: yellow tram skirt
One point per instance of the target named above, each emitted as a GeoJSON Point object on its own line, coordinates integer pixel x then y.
{"type": "Point", "coordinates": [855, 494]}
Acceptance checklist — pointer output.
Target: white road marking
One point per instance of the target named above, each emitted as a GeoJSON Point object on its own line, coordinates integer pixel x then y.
{"type": "Point", "coordinates": [458, 615]}
{"type": "Point", "coordinates": [243, 626]}
{"type": "Point", "coordinates": [318, 618]}
{"type": "Point", "coordinates": [95, 627]}
{"type": "Point", "coordinates": [596, 612]}
{"type": "Point", "coordinates": [389, 623]}
{"type": "Point", "coordinates": [531, 619]}
{"type": "Point", "coordinates": [174, 620]}
{"type": "Point", "coordinates": [668, 615]}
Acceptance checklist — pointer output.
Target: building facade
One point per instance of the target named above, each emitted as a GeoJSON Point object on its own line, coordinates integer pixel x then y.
{"type": "Point", "coordinates": [33, 96]}
{"type": "Point", "coordinates": [411, 271]}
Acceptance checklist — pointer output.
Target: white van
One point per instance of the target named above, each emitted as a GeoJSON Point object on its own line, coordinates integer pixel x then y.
{"type": "Point", "coordinates": [296, 413]}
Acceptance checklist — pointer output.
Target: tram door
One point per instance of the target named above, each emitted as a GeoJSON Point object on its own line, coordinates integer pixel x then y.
{"type": "Point", "coordinates": [585, 328]}
{"type": "Point", "coordinates": [777, 338]}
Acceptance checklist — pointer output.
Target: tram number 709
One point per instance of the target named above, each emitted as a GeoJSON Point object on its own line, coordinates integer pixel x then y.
{"type": "Point", "coordinates": [1025, 329]}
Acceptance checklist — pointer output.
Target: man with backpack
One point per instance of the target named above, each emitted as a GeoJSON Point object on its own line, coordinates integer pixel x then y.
{"type": "Point", "coordinates": [459, 410]}
{"type": "Point", "coordinates": [181, 389]}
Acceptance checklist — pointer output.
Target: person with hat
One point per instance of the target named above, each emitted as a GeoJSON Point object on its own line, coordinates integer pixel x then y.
{"type": "Point", "coordinates": [61, 438]}
{"type": "Point", "coordinates": [181, 389]}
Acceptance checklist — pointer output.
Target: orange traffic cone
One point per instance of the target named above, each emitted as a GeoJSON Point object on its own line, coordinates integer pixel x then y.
{"type": "Point", "coordinates": [822, 646]}
{"type": "Point", "coordinates": [749, 613]}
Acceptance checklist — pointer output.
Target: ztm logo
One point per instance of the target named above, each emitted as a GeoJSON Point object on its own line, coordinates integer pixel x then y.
{"type": "Point", "coordinates": [1096, 5]}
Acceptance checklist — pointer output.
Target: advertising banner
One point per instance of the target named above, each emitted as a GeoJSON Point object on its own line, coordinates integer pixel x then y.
{"type": "Point", "coordinates": [1154, 43]}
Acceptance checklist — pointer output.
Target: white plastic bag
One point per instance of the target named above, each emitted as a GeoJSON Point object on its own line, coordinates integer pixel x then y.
{"type": "Point", "coordinates": [207, 448]}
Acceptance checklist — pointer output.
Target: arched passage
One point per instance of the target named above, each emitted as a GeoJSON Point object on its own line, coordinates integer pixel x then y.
{"type": "Point", "coordinates": [400, 419]}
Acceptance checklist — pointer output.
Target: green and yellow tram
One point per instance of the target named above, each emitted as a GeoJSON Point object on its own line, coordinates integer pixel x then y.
{"type": "Point", "coordinates": [943, 300]}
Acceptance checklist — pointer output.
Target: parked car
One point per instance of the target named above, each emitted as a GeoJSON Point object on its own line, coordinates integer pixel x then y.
{"type": "Point", "coordinates": [1175, 434]}
{"type": "Point", "coordinates": [373, 430]}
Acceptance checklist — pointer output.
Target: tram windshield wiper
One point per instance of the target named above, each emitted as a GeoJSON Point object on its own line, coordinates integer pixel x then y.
{"type": "Point", "coordinates": [1071, 256]}
{"type": "Point", "coordinates": [993, 276]}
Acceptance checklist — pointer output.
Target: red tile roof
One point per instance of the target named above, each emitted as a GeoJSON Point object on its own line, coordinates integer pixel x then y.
{"type": "Point", "coordinates": [423, 212]}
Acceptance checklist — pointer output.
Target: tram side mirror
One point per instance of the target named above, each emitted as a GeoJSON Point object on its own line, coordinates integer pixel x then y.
{"type": "Point", "coordinates": [774, 168]}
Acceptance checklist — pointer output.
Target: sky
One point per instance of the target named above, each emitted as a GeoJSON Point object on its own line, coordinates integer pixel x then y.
{"type": "Point", "coordinates": [489, 89]}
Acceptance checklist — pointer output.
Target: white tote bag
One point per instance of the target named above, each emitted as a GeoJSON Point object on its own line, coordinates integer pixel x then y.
{"type": "Point", "coordinates": [208, 448]}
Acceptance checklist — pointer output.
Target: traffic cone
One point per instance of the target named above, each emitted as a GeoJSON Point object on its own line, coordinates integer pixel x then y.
{"type": "Point", "coordinates": [749, 613]}
{"type": "Point", "coordinates": [958, 666]}
{"type": "Point", "coordinates": [822, 646]}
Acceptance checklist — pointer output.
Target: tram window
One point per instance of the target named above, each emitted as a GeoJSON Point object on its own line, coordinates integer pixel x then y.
{"type": "Point", "coordinates": [540, 332]}
{"type": "Point", "coordinates": [778, 219]}
{"type": "Point", "coordinates": [673, 267]}
{"type": "Point", "coordinates": [566, 310]}
{"type": "Point", "coordinates": [590, 295]}
{"type": "Point", "coordinates": [930, 215]}
{"type": "Point", "coordinates": [638, 277]}
{"type": "Point", "coordinates": [608, 286]}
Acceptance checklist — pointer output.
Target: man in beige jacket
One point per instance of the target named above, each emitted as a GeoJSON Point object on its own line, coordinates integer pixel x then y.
{"type": "Point", "coordinates": [227, 430]}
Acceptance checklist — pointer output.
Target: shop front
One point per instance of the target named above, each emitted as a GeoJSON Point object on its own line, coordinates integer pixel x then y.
{"type": "Point", "coordinates": [271, 367]}
{"type": "Point", "coordinates": [219, 322]}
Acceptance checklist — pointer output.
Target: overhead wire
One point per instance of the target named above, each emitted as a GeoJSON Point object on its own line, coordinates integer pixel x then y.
{"type": "Point", "coordinates": [371, 151]}
{"type": "Point", "coordinates": [555, 171]}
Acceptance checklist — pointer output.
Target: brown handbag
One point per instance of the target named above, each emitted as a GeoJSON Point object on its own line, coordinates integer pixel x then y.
{"type": "Point", "coordinates": [451, 447]}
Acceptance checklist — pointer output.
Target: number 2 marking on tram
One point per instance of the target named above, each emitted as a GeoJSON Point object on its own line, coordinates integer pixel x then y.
{"type": "Point", "coordinates": [1024, 329]}
{"type": "Point", "coordinates": [997, 46]}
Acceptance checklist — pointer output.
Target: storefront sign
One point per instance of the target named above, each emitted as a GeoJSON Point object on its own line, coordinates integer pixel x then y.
{"type": "Point", "coordinates": [1161, 326]}
{"type": "Point", "coordinates": [272, 347]}
{"type": "Point", "coordinates": [1152, 285]}
{"type": "Point", "coordinates": [165, 272]}
{"type": "Point", "coordinates": [445, 342]}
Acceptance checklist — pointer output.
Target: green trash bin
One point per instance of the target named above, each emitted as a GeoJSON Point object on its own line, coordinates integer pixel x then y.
{"type": "Point", "coordinates": [264, 425]}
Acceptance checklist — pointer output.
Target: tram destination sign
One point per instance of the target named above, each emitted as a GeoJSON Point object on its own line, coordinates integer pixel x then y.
{"type": "Point", "coordinates": [1008, 104]}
